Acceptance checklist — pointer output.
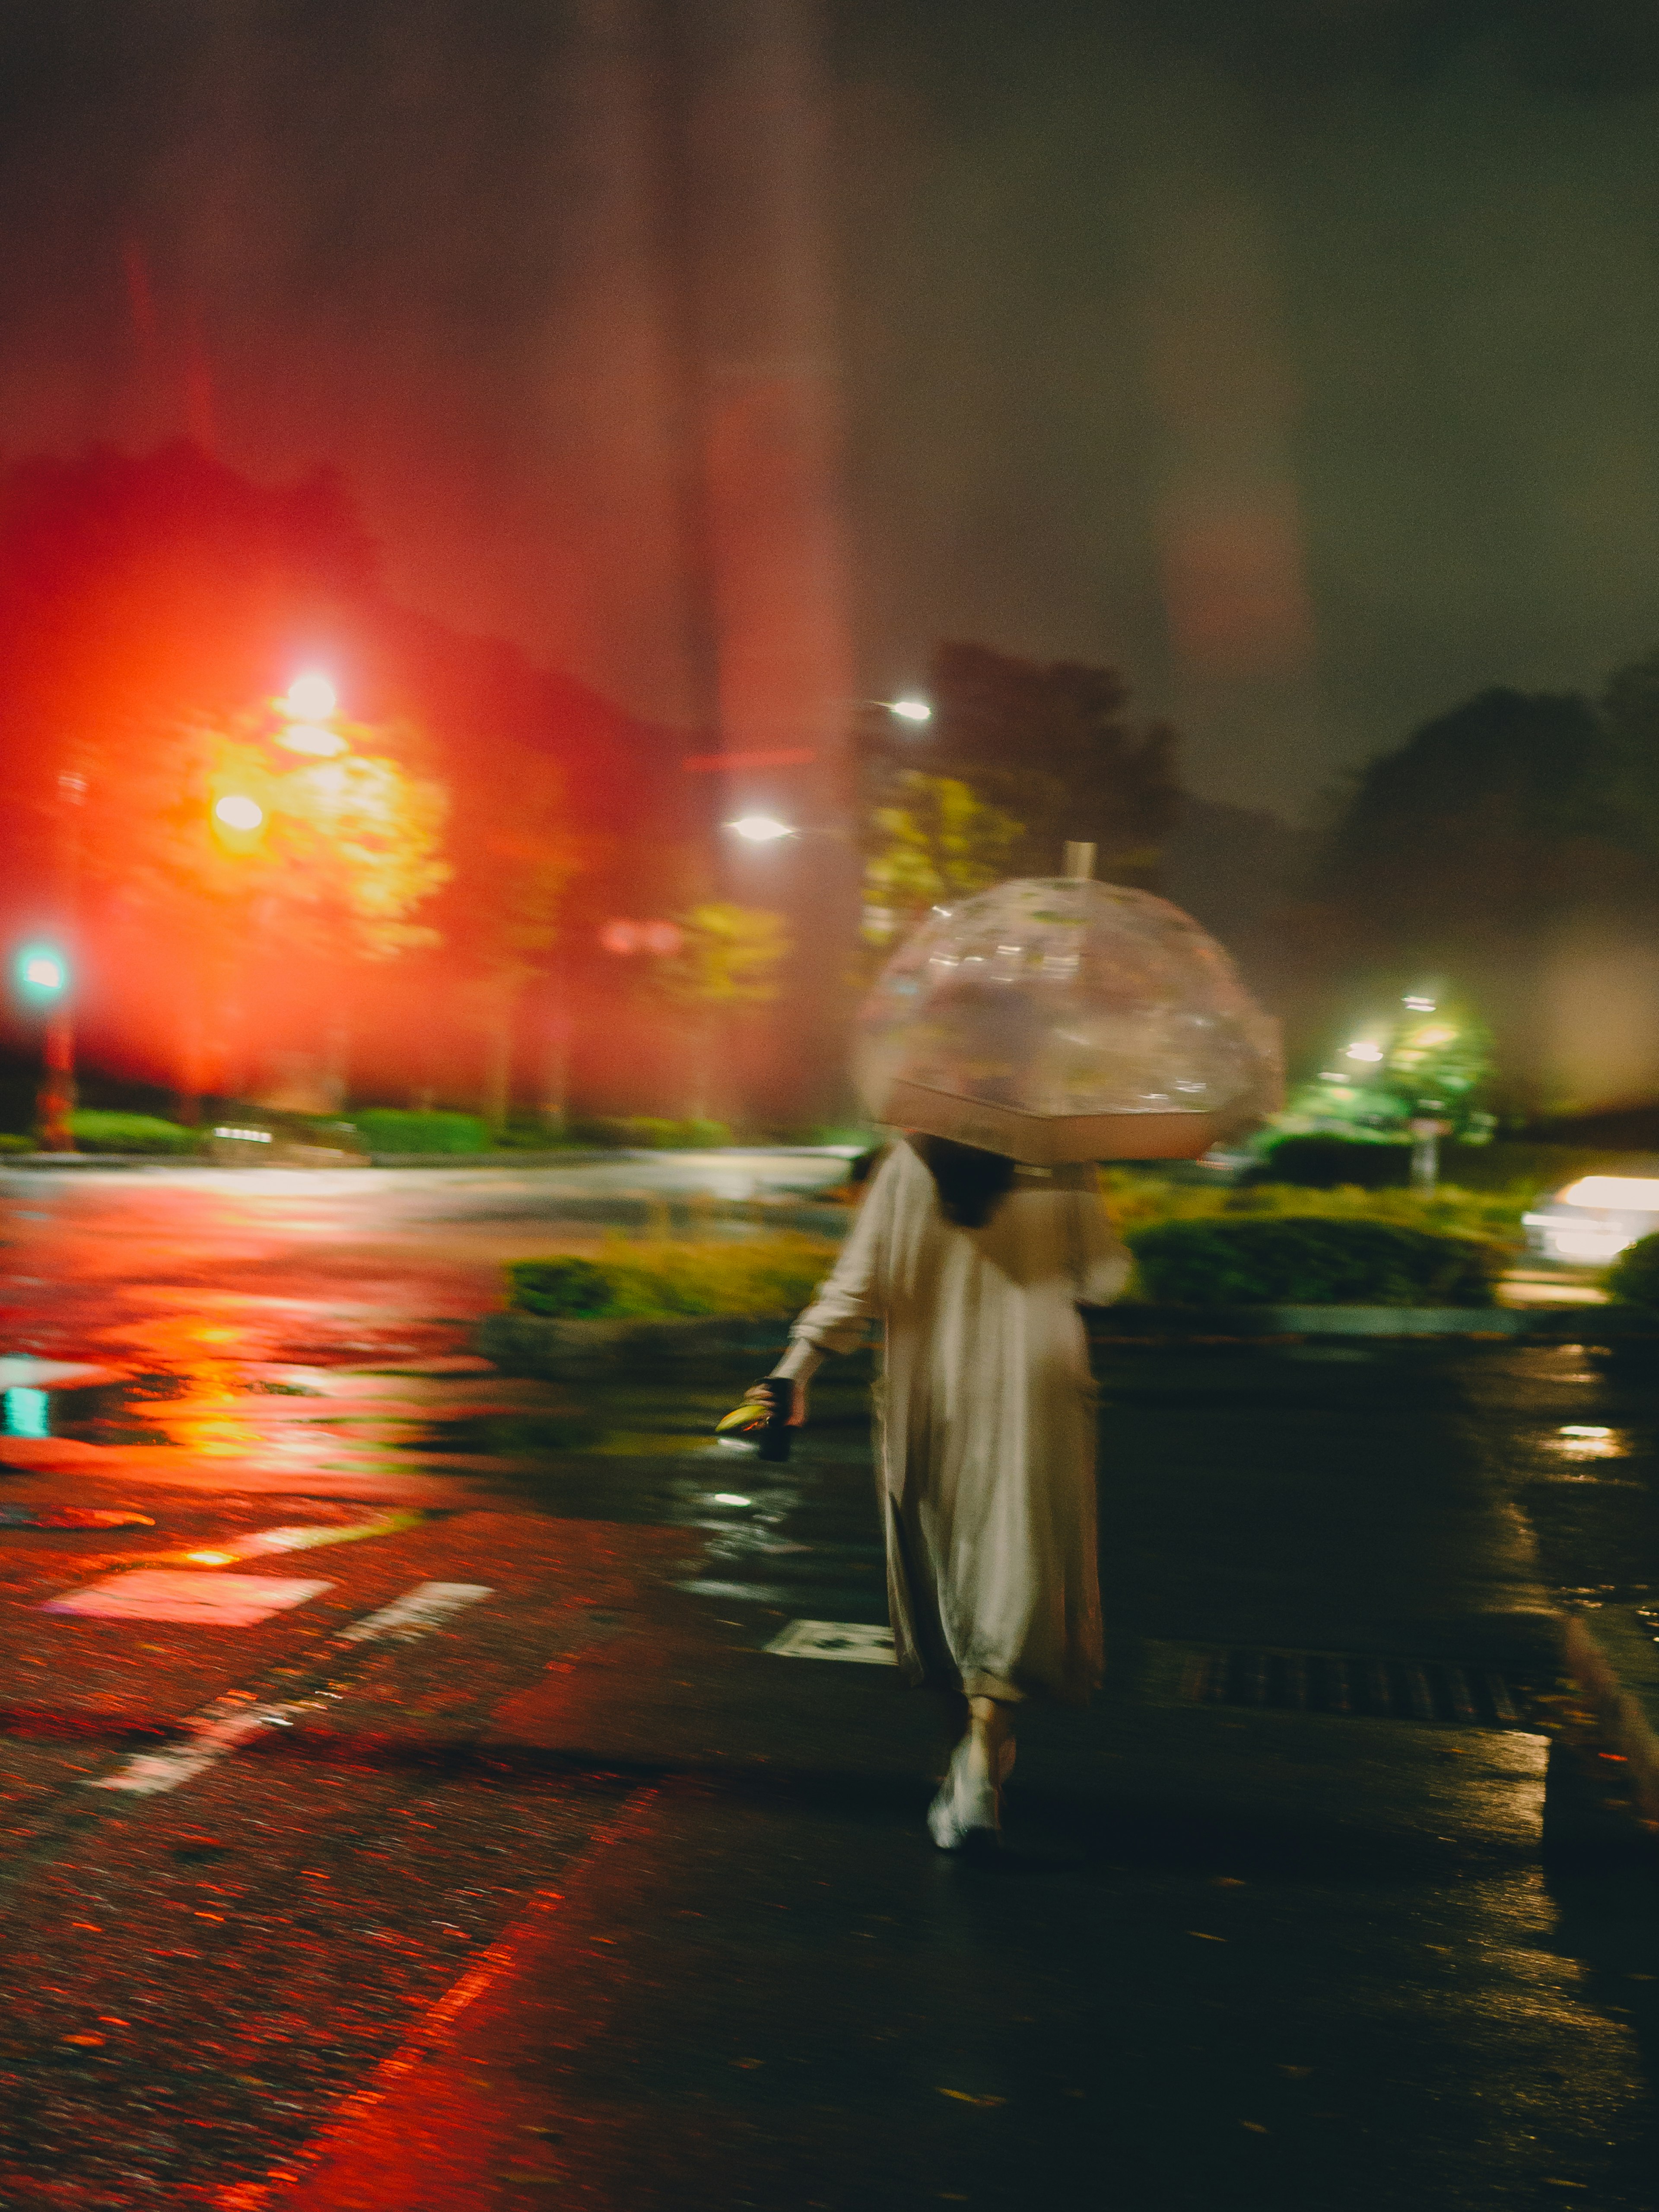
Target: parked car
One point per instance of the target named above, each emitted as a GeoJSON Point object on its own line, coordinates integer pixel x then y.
{"type": "Point", "coordinates": [1589, 1221]}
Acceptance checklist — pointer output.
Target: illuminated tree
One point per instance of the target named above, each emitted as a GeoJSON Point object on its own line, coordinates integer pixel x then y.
{"type": "Point", "coordinates": [937, 843]}
{"type": "Point", "coordinates": [1050, 747]}
{"type": "Point", "coordinates": [725, 971]}
{"type": "Point", "coordinates": [1428, 1062]}
{"type": "Point", "coordinates": [228, 845]}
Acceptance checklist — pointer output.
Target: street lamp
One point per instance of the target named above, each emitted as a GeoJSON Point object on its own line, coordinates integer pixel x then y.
{"type": "Point", "coordinates": [236, 811]}
{"type": "Point", "coordinates": [311, 697]}
{"type": "Point", "coordinates": [311, 701]}
{"type": "Point", "coordinates": [908, 710]}
{"type": "Point", "coordinates": [43, 978]}
{"type": "Point", "coordinates": [762, 828]}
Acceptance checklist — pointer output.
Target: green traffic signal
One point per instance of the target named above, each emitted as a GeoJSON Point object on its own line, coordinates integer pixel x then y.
{"type": "Point", "coordinates": [42, 974]}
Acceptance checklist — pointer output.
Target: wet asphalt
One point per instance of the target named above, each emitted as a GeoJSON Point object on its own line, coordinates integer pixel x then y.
{"type": "Point", "coordinates": [577, 1893]}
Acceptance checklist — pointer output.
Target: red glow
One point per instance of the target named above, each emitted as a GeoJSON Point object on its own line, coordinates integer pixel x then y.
{"type": "Point", "coordinates": [768, 757]}
{"type": "Point", "coordinates": [664, 938]}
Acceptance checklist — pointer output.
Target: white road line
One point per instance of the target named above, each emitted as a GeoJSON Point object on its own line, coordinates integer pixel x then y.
{"type": "Point", "coordinates": [417, 1610]}
{"type": "Point", "coordinates": [835, 1639]}
{"type": "Point", "coordinates": [219, 1728]}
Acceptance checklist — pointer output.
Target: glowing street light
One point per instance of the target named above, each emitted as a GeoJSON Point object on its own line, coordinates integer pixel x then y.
{"type": "Point", "coordinates": [42, 974]}
{"type": "Point", "coordinates": [762, 828]}
{"type": "Point", "coordinates": [311, 700]}
{"type": "Point", "coordinates": [43, 979]}
{"type": "Point", "coordinates": [1363, 1048]}
{"type": "Point", "coordinates": [909, 709]}
{"type": "Point", "coordinates": [236, 811]}
{"type": "Point", "coordinates": [311, 697]}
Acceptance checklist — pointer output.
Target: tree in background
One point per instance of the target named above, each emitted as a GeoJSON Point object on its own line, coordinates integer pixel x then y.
{"type": "Point", "coordinates": [726, 969]}
{"type": "Point", "coordinates": [335, 860]}
{"type": "Point", "coordinates": [1048, 747]}
{"type": "Point", "coordinates": [1428, 1061]}
{"type": "Point", "coordinates": [520, 854]}
{"type": "Point", "coordinates": [139, 595]}
{"type": "Point", "coordinates": [1499, 834]}
{"type": "Point", "coordinates": [938, 842]}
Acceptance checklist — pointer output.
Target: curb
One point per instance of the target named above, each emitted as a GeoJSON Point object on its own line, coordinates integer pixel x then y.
{"type": "Point", "coordinates": [1577, 1324]}
{"type": "Point", "coordinates": [537, 1344]}
{"type": "Point", "coordinates": [1613, 1655]}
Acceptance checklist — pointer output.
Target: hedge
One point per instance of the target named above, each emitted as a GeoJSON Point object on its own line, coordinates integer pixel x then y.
{"type": "Point", "coordinates": [760, 1275]}
{"type": "Point", "coordinates": [96, 1131]}
{"type": "Point", "coordinates": [392, 1129]}
{"type": "Point", "coordinates": [1310, 1261]}
{"type": "Point", "coordinates": [1633, 1277]}
{"type": "Point", "coordinates": [652, 1132]}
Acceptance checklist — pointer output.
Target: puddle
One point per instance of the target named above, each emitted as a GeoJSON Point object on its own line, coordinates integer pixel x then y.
{"type": "Point", "coordinates": [804, 1533]}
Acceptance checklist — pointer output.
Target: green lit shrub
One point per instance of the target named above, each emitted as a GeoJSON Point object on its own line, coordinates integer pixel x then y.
{"type": "Point", "coordinates": [392, 1129]}
{"type": "Point", "coordinates": [568, 1288]}
{"type": "Point", "coordinates": [1307, 1261]}
{"type": "Point", "coordinates": [11, 1143]}
{"type": "Point", "coordinates": [760, 1275]}
{"type": "Point", "coordinates": [95, 1131]}
{"type": "Point", "coordinates": [1633, 1277]}
{"type": "Point", "coordinates": [650, 1132]}
{"type": "Point", "coordinates": [1139, 1200]}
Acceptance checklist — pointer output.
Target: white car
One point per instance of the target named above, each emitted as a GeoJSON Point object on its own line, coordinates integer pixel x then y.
{"type": "Point", "coordinates": [1590, 1221]}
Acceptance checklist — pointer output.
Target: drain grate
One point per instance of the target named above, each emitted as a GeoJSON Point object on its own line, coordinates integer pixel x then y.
{"type": "Point", "coordinates": [1358, 1686]}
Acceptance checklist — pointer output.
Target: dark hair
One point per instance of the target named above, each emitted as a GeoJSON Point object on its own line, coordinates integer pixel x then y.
{"type": "Point", "coordinates": [971, 1184]}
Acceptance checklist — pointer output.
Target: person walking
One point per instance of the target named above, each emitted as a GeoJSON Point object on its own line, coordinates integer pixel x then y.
{"type": "Point", "coordinates": [975, 1264]}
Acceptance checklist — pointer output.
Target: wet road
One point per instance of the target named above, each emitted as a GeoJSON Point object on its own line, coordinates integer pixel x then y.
{"type": "Point", "coordinates": [555, 1886]}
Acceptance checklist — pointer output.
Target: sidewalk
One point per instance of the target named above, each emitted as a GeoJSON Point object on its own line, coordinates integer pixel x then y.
{"type": "Point", "coordinates": [1235, 1957]}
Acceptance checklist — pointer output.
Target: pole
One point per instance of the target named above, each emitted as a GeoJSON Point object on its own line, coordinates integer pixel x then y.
{"type": "Point", "coordinates": [1425, 1152]}
{"type": "Point", "coordinates": [58, 1089]}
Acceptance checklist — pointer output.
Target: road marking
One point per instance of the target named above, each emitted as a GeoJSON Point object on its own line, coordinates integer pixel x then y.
{"type": "Point", "coordinates": [416, 1611]}
{"type": "Point", "coordinates": [308, 1539]}
{"type": "Point", "coordinates": [229, 1721]}
{"type": "Point", "coordinates": [175, 1593]}
{"type": "Point", "coordinates": [438, 2023]}
{"type": "Point", "coordinates": [835, 1639]}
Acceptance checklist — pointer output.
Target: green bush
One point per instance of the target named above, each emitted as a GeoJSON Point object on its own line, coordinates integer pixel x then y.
{"type": "Point", "coordinates": [564, 1286]}
{"type": "Point", "coordinates": [1633, 1277]}
{"type": "Point", "coordinates": [760, 1275]}
{"type": "Point", "coordinates": [648, 1132]}
{"type": "Point", "coordinates": [1308, 1261]}
{"type": "Point", "coordinates": [1139, 1200]}
{"type": "Point", "coordinates": [390, 1129]}
{"type": "Point", "coordinates": [95, 1131]}
{"type": "Point", "coordinates": [10, 1143]}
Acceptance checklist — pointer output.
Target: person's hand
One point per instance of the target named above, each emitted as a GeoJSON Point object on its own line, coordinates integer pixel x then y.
{"type": "Point", "coordinates": [760, 1395]}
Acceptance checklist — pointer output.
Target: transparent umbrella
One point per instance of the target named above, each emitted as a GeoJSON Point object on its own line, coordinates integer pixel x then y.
{"type": "Point", "coordinates": [1056, 1018]}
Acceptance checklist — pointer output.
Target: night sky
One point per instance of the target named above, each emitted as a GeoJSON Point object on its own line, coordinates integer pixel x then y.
{"type": "Point", "coordinates": [1302, 355]}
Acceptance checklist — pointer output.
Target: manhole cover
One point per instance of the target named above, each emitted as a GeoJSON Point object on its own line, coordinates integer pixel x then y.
{"type": "Point", "coordinates": [1353, 1685]}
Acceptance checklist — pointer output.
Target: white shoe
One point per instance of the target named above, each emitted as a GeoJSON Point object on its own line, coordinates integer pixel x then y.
{"type": "Point", "coordinates": [968, 1810]}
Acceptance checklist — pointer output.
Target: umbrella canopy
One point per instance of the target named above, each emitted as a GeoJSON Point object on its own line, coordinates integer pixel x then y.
{"type": "Point", "coordinates": [1057, 1018]}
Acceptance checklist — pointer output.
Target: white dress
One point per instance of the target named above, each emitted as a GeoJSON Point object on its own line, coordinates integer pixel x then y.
{"type": "Point", "coordinates": [987, 1421]}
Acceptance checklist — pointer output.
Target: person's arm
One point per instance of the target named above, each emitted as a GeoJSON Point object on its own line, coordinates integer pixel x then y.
{"type": "Point", "coordinates": [1102, 1260]}
{"type": "Point", "coordinates": [849, 1294]}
